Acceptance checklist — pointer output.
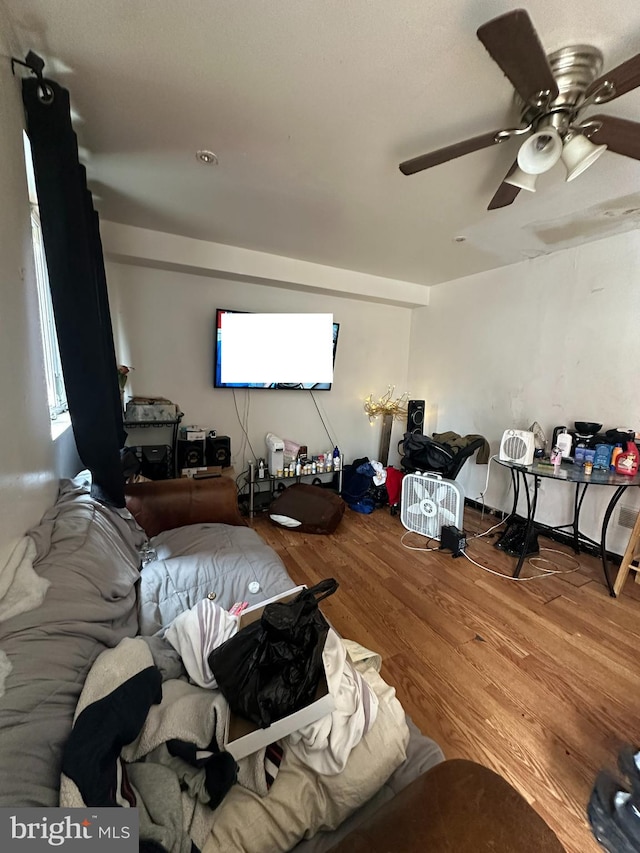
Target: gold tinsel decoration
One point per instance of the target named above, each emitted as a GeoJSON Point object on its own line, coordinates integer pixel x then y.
{"type": "Point", "coordinates": [386, 405]}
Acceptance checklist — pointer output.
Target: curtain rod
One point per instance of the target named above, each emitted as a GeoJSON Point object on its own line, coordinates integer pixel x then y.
{"type": "Point", "coordinates": [35, 64]}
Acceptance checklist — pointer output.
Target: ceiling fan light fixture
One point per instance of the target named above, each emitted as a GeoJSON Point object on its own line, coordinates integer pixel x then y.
{"type": "Point", "coordinates": [578, 153]}
{"type": "Point", "coordinates": [540, 152]}
{"type": "Point", "coordinates": [522, 180]}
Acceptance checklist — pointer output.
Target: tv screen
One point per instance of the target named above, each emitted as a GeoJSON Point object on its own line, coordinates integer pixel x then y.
{"type": "Point", "coordinates": [276, 346]}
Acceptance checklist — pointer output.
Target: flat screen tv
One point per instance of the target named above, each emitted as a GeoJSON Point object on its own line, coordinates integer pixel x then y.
{"type": "Point", "coordinates": [265, 339]}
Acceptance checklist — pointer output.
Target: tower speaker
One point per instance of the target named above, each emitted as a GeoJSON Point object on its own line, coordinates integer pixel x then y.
{"type": "Point", "coordinates": [190, 454]}
{"type": "Point", "coordinates": [219, 451]}
{"type": "Point", "coordinates": [415, 417]}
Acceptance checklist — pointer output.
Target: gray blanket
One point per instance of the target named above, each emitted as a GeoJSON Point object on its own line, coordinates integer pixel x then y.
{"type": "Point", "coordinates": [90, 555]}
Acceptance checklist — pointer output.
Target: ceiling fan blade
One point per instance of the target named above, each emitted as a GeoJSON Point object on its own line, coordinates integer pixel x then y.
{"type": "Point", "coordinates": [442, 155]}
{"type": "Point", "coordinates": [619, 135]}
{"type": "Point", "coordinates": [513, 43]}
{"type": "Point", "coordinates": [506, 193]}
{"type": "Point", "coordinates": [624, 78]}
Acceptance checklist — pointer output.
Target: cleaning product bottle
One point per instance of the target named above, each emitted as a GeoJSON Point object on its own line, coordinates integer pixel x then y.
{"type": "Point", "coordinates": [564, 442]}
{"type": "Point", "coordinates": [627, 461]}
{"type": "Point", "coordinates": [336, 459]}
{"type": "Point", "coordinates": [261, 470]}
{"type": "Point", "coordinates": [617, 450]}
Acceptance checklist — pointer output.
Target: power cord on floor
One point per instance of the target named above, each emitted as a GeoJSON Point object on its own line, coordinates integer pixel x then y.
{"type": "Point", "coordinates": [545, 573]}
{"type": "Point", "coordinates": [413, 547]}
{"type": "Point", "coordinates": [490, 530]}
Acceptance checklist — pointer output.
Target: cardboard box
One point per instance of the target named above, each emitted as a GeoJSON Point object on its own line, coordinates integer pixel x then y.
{"type": "Point", "coordinates": [243, 737]}
{"type": "Point", "coordinates": [192, 433]}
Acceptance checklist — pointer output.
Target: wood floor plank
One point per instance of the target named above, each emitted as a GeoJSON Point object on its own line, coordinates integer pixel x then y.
{"type": "Point", "coordinates": [538, 679]}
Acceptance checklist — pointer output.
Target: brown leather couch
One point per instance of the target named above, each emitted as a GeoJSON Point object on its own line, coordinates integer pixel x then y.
{"type": "Point", "coordinates": [457, 806]}
{"type": "Point", "coordinates": [166, 504]}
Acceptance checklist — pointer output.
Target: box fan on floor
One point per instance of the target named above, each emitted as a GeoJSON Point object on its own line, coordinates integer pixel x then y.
{"type": "Point", "coordinates": [429, 503]}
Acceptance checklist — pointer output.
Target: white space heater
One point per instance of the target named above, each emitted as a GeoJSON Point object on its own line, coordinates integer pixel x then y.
{"type": "Point", "coordinates": [429, 503]}
{"type": "Point", "coordinates": [517, 446]}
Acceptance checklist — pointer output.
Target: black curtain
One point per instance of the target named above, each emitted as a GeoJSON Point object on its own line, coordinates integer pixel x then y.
{"type": "Point", "coordinates": [78, 284]}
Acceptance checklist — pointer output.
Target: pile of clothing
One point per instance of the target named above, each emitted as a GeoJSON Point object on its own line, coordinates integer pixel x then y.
{"type": "Point", "coordinates": [368, 485]}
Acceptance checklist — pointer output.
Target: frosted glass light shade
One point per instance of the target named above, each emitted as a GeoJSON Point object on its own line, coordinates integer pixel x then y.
{"type": "Point", "coordinates": [578, 154]}
{"type": "Point", "coordinates": [523, 180]}
{"type": "Point", "coordinates": [540, 152]}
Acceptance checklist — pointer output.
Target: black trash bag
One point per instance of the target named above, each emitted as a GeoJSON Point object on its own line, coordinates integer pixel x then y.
{"type": "Point", "coordinates": [512, 540]}
{"type": "Point", "coordinates": [378, 495]}
{"type": "Point", "coordinates": [272, 667]}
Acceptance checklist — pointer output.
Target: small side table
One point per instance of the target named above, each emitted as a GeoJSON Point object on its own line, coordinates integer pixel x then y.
{"type": "Point", "coordinates": [574, 475]}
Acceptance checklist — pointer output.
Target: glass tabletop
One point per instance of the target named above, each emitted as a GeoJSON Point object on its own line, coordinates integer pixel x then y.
{"type": "Point", "coordinates": [572, 473]}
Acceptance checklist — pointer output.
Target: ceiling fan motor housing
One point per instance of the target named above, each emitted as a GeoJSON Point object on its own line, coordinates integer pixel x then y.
{"type": "Point", "coordinates": [574, 69]}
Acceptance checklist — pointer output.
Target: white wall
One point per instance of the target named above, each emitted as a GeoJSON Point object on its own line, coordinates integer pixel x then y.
{"type": "Point", "coordinates": [164, 327]}
{"type": "Point", "coordinates": [27, 479]}
{"type": "Point", "coordinates": [553, 340]}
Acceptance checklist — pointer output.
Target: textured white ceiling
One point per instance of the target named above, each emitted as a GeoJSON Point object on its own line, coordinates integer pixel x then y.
{"type": "Point", "coordinates": [310, 105]}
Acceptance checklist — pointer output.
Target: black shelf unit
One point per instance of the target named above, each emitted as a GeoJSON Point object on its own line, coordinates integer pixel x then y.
{"type": "Point", "coordinates": [172, 456]}
{"type": "Point", "coordinates": [254, 482]}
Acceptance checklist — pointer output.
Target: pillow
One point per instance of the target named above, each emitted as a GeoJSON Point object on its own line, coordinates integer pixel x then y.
{"type": "Point", "coordinates": [309, 509]}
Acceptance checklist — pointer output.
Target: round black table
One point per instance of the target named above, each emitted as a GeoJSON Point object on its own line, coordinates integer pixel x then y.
{"type": "Point", "coordinates": [567, 473]}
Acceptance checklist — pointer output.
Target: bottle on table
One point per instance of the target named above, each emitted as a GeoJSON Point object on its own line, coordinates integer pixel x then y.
{"type": "Point", "coordinates": [617, 450]}
{"type": "Point", "coordinates": [627, 461]}
{"type": "Point", "coordinates": [564, 442]}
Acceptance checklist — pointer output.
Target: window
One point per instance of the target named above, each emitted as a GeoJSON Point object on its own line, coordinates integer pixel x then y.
{"type": "Point", "coordinates": [56, 394]}
{"type": "Point", "coordinates": [52, 366]}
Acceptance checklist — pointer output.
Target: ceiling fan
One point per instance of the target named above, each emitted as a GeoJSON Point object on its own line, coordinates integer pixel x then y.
{"type": "Point", "coordinates": [551, 92]}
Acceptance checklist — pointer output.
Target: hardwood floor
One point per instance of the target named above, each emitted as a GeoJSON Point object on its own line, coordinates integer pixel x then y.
{"type": "Point", "coordinates": [538, 680]}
